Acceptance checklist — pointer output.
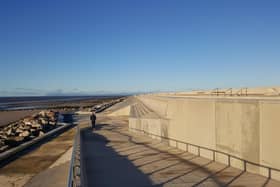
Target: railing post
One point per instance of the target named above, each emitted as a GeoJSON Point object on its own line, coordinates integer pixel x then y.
{"type": "Point", "coordinates": [213, 155]}
{"type": "Point", "coordinates": [269, 173]}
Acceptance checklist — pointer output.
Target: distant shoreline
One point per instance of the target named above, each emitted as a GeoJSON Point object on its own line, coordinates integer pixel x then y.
{"type": "Point", "coordinates": [15, 111]}
{"type": "Point", "coordinates": [42, 102]}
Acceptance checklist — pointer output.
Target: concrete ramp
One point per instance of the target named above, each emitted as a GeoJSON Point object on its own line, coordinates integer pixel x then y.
{"type": "Point", "coordinates": [145, 119]}
{"type": "Point", "coordinates": [132, 107]}
{"type": "Point", "coordinates": [140, 116]}
{"type": "Point", "coordinates": [121, 109]}
{"type": "Point", "coordinates": [139, 110]}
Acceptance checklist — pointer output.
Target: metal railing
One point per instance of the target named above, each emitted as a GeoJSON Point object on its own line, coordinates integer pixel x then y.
{"type": "Point", "coordinates": [8, 154]}
{"type": "Point", "coordinates": [74, 176]}
{"type": "Point", "coordinates": [214, 152]}
{"type": "Point", "coordinates": [242, 92]}
{"type": "Point", "coordinates": [77, 175]}
{"type": "Point", "coordinates": [229, 92]}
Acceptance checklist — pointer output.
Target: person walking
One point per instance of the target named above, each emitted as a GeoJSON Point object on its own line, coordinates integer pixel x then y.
{"type": "Point", "coordinates": [93, 119]}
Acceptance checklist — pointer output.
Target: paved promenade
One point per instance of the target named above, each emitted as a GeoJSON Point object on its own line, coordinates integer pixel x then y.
{"type": "Point", "coordinates": [116, 157]}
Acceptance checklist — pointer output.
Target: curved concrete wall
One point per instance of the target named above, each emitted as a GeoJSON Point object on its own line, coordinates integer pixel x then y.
{"type": "Point", "coordinates": [245, 128]}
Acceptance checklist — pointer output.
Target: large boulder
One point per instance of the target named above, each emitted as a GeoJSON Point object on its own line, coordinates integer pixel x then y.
{"type": "Point", "coordinates": [25, 134]}
{"type": "Point", "coordinates": [44, 121]}
{"type": "Point", "coordinates": [28, 128]}
{"type": "Point", "coordinates": [3, 136]}
{"type": "Point", "coordinates": [19, 130]}
{"type": "Point", "coordinates": [53, 123]}
{"type": "Point", "coordinates": [41, 133]}
{"type": "Point", "coordinates": [28, 120]}
{"type": "Point", "coordinates": [42, 113]}
{"type": "Point", "coordinates": [36, 125]}
{"type": "Point", "coordinates": [9, 132]}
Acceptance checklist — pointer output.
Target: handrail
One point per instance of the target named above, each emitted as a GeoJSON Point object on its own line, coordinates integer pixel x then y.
{"type": "Point", "coordinates": [245, 162]}
{"type": "Point", "coordinates": [74, 176]}
{"type": "Point", "coordinates": [218, 91]}
{"type": "Point", "coordinates": [77, 175]}
{"type": "Point", "coordinates": [228, 90]}
{"type": "Point", "coordinates": [215, 91]}
{"type": "Point", "coordinates": [240, 92]}
{"type": "Point", "coordinates": [13, 151]}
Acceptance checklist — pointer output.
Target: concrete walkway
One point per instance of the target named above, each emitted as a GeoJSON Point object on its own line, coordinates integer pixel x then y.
{"type": "Point", "coordinates": [32, 167]}
{"type": "Point", "coordinates": [114, 156]}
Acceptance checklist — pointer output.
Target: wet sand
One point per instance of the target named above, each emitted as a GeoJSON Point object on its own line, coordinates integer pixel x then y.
{"type": "Point", "coordinates": [7, 117]}
{"type": "Point", "coordinates": [53, 104]}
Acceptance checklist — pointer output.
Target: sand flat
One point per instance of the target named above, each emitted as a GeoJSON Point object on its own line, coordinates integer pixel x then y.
{"type": "Point", "coordinates": [7, 117]}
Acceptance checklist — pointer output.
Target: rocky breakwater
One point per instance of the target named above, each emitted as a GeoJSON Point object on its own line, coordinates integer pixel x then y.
{"type": "Point", "coordinates": [26, 129]}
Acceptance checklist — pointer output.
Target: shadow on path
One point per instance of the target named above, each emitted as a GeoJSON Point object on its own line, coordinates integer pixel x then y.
{"type": "Point", "coordinates": [176, 156]}
{"type": "Point", "coordinates": [116, 157]}
{"type": "Point", "coordinates": [105, 167]}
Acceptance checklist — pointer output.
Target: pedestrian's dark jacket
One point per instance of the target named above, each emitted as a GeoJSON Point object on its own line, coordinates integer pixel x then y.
{"type": "Point", "coordinates": [93, 117]}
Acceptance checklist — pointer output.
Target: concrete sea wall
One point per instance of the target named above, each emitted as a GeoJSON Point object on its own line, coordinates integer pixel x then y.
{"type": "Point", "coordinates": [245, 128]}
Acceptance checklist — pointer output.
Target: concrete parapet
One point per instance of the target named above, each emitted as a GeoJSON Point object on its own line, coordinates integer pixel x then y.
{"type": "Point", "coordinates": [243, 132]}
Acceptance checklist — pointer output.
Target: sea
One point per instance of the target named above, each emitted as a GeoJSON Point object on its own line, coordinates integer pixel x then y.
{"type": "Point", "coordinates": [38, 102]}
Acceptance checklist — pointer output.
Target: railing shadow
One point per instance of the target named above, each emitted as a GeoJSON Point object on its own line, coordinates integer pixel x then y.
{"type": "Point", "coordinates": [209, 174]}
{"type": "Point", "coordinates": [105, 167]}
{"type": "Point", "coordinates": [176, 156]}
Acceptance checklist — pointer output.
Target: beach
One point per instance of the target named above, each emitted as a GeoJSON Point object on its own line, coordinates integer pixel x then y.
{"type": "Point", "coordinates": [7, 117]}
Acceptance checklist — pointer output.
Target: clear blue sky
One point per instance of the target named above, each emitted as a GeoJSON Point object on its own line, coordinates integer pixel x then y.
{"type": "Point", "coordinates": [63, 46]}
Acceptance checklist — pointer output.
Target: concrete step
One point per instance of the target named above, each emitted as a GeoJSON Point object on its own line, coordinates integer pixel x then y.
{"type": "Point", "coordinates": [145, 108]}
{"type": "Point", "coordinates": [133, 111]}
{"type": "Point", "coordinates": [139, 110]}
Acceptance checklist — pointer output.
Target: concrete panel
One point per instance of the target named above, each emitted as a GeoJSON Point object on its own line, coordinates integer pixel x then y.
{"type": "Point", "coordinates": [132, 123]}
{"type": "Point", "coordinates": [269, 136]}
{"type": "Point", "coordinates": [192, 121]}
{"type": "Point", "coordinates": [177, 125]}
{"type": "Point", "coordinates": [222, 158]}
{"type": "Point", "coordinates": [206, 154]}
{"type": "Point", "coordinates": [237, 129]}
{"type": "Point", "coordinates": [182, 146]}
{"type": "Point", "coordinates": [193, 149]}
{"type": "Point", "coordinates": [152, 126]}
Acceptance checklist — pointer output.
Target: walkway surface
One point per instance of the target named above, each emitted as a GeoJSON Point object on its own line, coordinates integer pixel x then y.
{"type": "Point", "coordinates": [40, 166]}
{"type": "Point", "coordinates": [113, 156]}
